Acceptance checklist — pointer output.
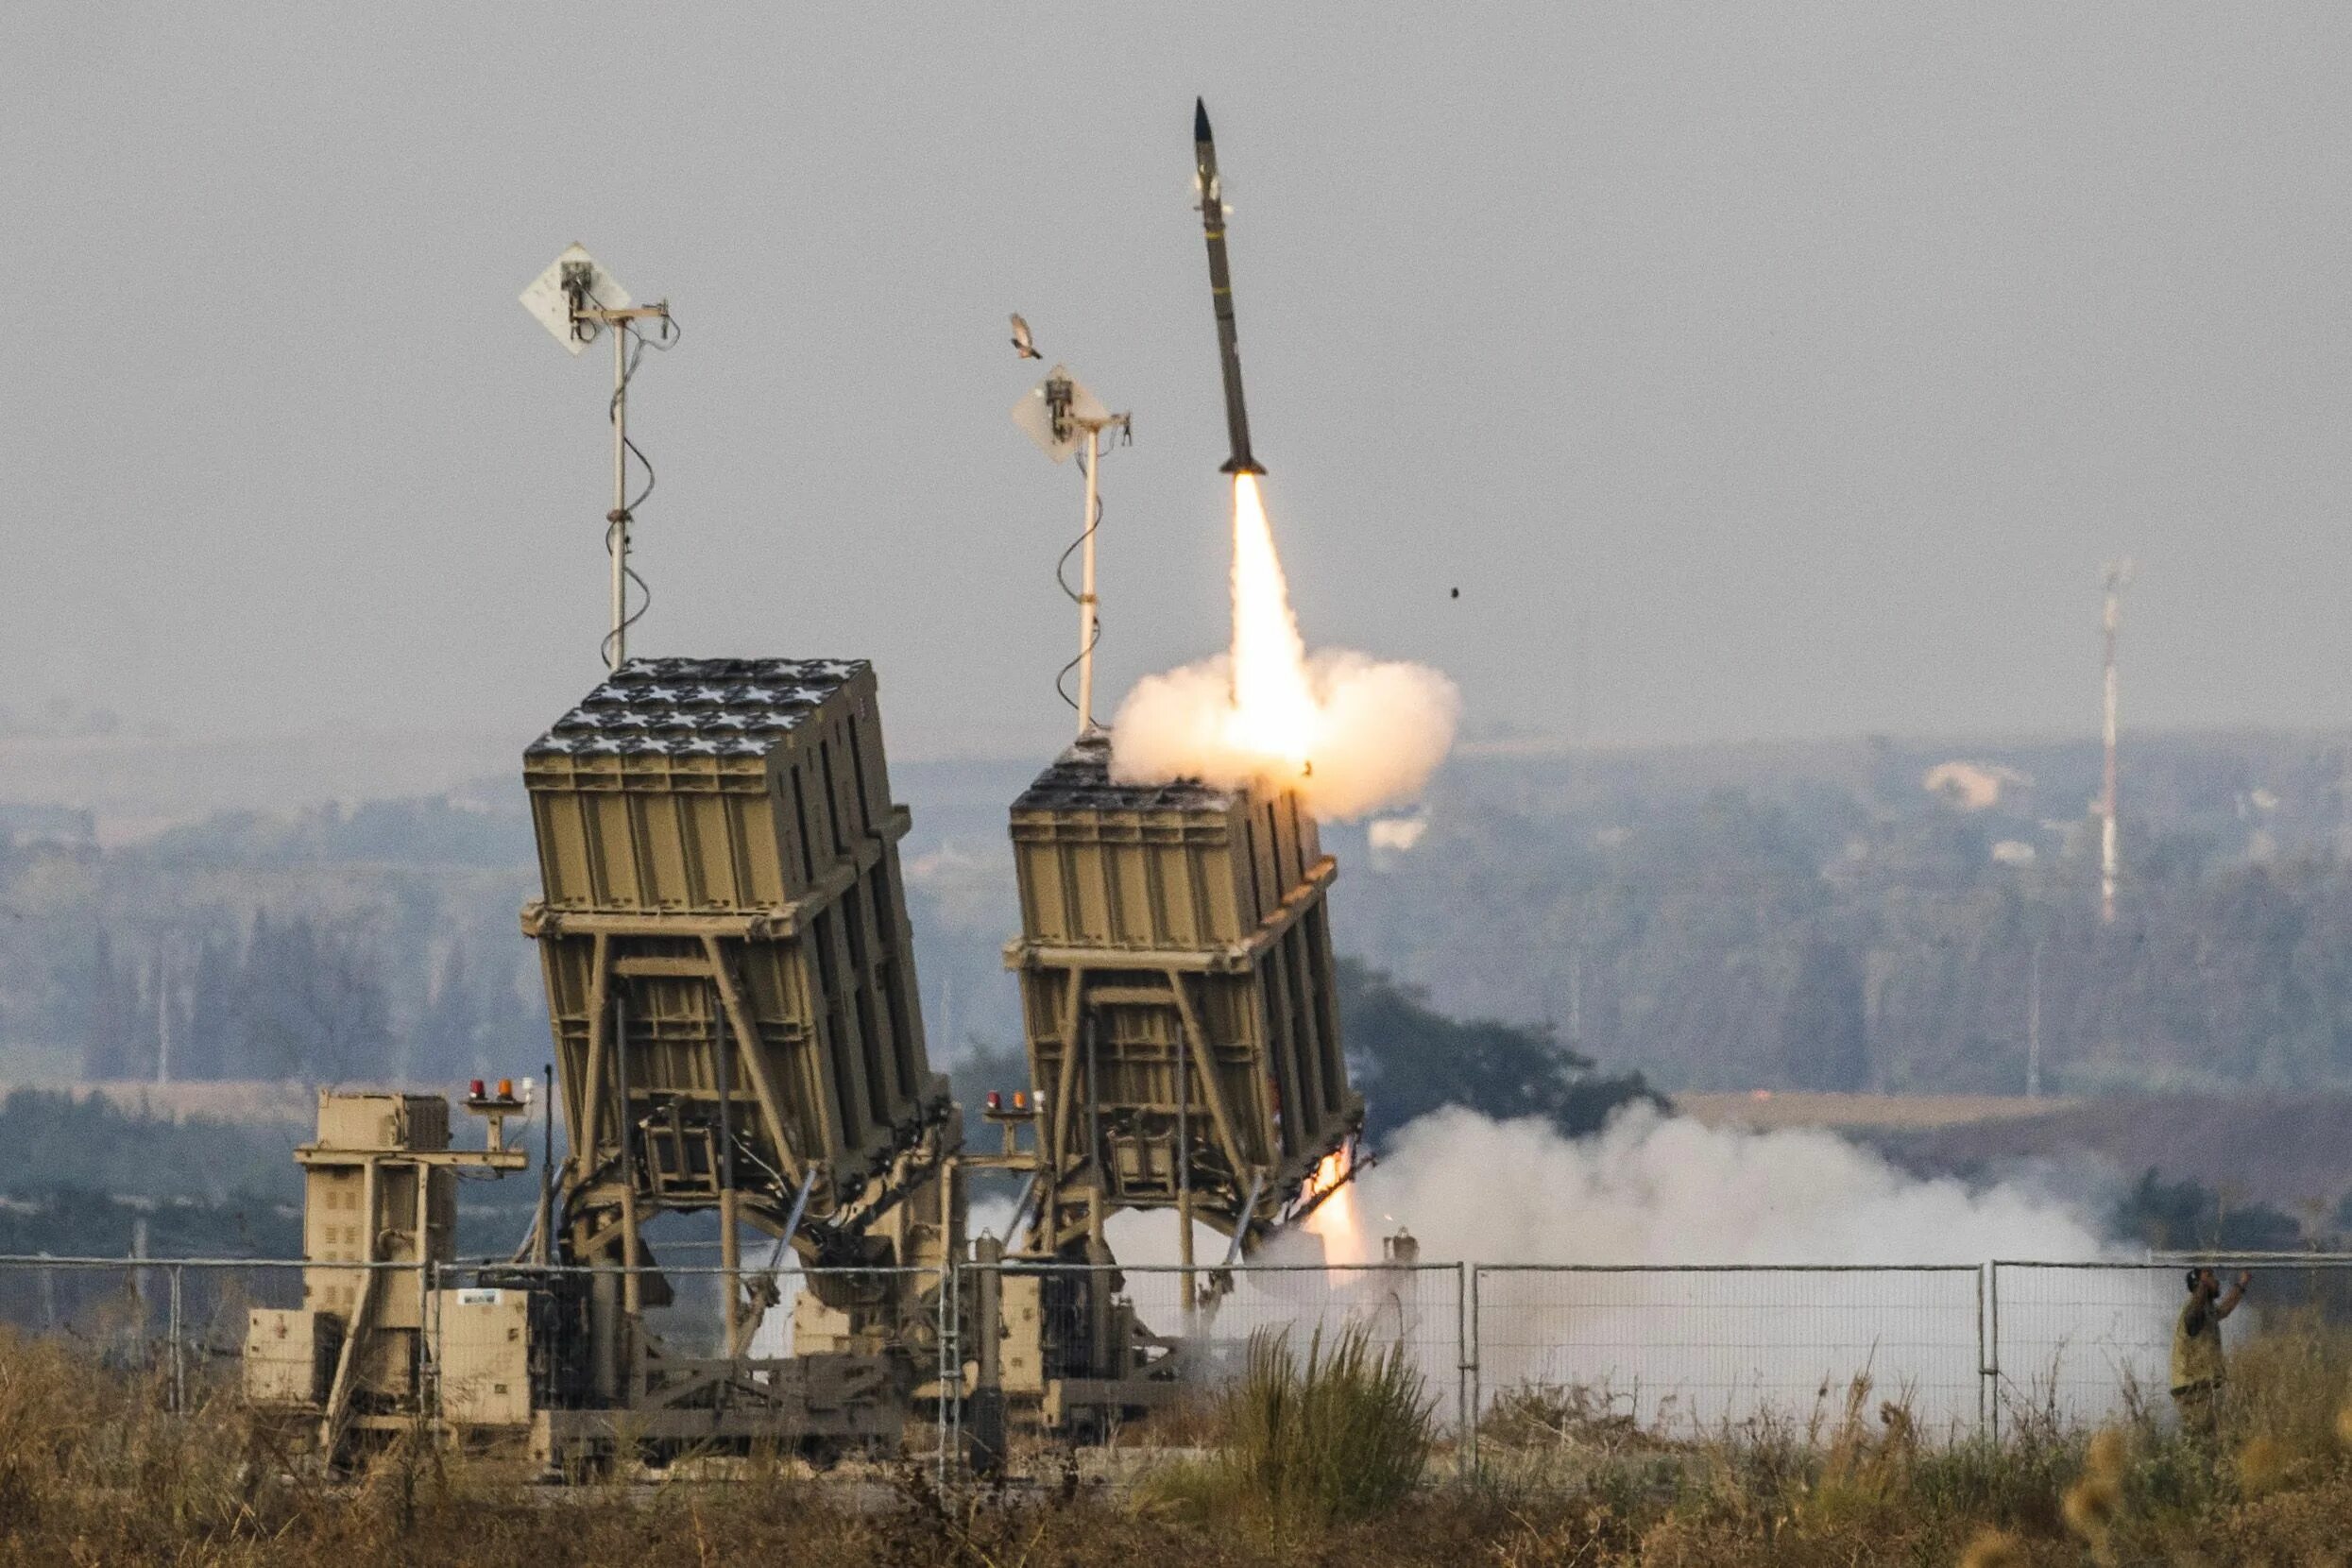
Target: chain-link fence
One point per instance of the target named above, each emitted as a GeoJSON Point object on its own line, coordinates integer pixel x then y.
{"type": "Point", "coordinates": [1197, 1325]}
{"type": "Point", "coordinates": [2078, 1343]}
{"type": "Point", "coordinates": [188, 1320]}
{"type": "Point", "coordinates": [889, 1360]}
{"type": "Point", "coordinates": [1693, 1349]}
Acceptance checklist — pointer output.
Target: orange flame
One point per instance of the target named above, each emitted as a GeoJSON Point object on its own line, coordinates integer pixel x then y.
{"type": "Point", "coordinates": [1334, 1221]}
{"type": "Point", "coordinates": [1328, 1173]}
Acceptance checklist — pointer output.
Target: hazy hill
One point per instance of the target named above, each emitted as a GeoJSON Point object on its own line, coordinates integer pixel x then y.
{"type": "Point", "coordinates": [1798, 916]}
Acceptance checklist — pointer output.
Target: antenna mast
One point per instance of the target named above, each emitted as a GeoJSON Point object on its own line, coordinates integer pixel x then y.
{"type": "Point", "coordinates": [2117, 574]}
{"type": "Point", "coordinates": [1060, 415]}
{"type": "Point", "coordinates": [577, 301]}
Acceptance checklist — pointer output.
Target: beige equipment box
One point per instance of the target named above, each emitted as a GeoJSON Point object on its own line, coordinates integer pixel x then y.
{"type": "Point", "coordinates": [485, 1337]}
{"type": "Point", "coordinates": [379, 1210]}
{"type": "Point", "coordinates": [363, 1202]}
{"type": "Point", "coordinates": [290, 1356]}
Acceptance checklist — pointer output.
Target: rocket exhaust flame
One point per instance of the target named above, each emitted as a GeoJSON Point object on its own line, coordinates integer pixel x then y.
{"type": "Point", "coordinates": [1328, 1201]}
{"type": "Point", "coordinates": [1350, 734]}
{"type": "Point", "coordinates": [1274, 714]}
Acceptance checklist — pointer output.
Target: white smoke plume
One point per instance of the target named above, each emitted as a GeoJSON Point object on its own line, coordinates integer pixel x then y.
{"type": "Point", "coordinates": [1351, 734]}
{"type": "Point", "coordinates": [1761, 1270]}
{"type": "Point", "coordinates": [1653, 1190]}
{"type": "Point", "coordinates": [1383, 729]}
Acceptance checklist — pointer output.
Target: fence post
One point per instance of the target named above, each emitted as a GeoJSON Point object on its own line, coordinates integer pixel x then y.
{"type": "Point", "coordinates": [1983, 1352]}
{"type": "Point", "coordinates": [180, 1387]}
{"type": "Point", "coordinates": [951, 1369]}
{"type": "Point", "coordinates": [429, 1400]}
{"type": "Point", "coordinates": [1466, 1337]}
{"type": "Point", "coordinates": [1992, 1366]}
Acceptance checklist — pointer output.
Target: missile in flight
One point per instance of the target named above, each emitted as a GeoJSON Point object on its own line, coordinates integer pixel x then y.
{"type": "Point", "coordinates": [1221, 290]}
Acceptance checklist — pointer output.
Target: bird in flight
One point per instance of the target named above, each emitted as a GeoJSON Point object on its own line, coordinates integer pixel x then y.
{"type": "Point", "coordinates": [1021, 345]}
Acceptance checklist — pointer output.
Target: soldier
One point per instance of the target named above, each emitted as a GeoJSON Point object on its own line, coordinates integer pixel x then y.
{"type": "Point", "coordinates": [2197, 1370]}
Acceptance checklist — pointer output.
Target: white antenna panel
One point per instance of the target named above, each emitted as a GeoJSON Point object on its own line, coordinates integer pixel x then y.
{"type": "Point", "coordinates": [550, 301]}
{"type": "Point", "coordinates": [1035, 414]}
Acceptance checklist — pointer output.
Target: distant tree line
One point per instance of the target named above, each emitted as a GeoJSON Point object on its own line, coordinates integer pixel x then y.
{"type": "Point", "coordinates": [1805, 917]}
{"type": "Point", "coordinates": [1816, 934]}
{"type": "Point", "coordinates": [293, 997]}
{"type": "Point", "coordinates": [52, 1142]}
{"type": "Point", "coordinates": [2187, 1216]}
{"type": "Point", "coordinates": [1410, 1060]}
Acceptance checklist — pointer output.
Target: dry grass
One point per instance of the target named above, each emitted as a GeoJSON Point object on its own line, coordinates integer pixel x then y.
{"type": "Point", "coordinates": [92, 1471]}
{"type": "Point", "coordinates": [1304, 1442]}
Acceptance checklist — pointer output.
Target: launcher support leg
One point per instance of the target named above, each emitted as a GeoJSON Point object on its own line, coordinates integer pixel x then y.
{"type": "Point", "coordinates": [1098, 1286]}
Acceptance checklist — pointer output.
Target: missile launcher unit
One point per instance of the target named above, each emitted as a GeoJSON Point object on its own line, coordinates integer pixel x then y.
{"type": "Point", "coordinates": [732, 989]}
{"type": "Point", "coordinates": [719, 858]}
{"type": "Point", "coordinates": [1183, 1025]}
{"type": "Point", "coordinates": [1176, 978]}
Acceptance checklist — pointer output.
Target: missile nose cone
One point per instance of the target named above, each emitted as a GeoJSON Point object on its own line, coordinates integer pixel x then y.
{"type": "Point", "coordinates": [1199, 120]}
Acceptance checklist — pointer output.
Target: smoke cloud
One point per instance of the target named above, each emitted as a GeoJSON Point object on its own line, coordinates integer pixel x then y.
{"type": "Point", "coordinates": [1753, 1289]}
{"type": "Point", "coordinates": [1351, 734]}
{"type": "Point", "coordinates": [1381, 728]}
{"type": "Point", "coordinates": [1657, 1189]}
{"type": "Point", "coordinates": [1654, 1189]}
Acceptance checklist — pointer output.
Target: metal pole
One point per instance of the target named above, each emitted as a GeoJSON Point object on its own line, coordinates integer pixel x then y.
{"type": "Point", "coordinates": [1249, 1212]}
{"type": "Point", "coordinates": [951, 1389]}
{"type": "Point", "coordinates": [1984, 1396]}
{"type": "Point", "coordinates": [1183, 1170]}
{"type": "Point", "coordinates": [1467, 1332]}
{"type": "Point", "coordinates": [1993, 1341]}
{"type": "Point", "coordinates": [1094, 1108]}
{"type": "Point", "coordinates": [424, 1242]}
{"type": "Point", "coordinates": [546, 1249]}
{"type": "Point", "coordinates": [939, 1416]}
{"type": "Point", "coordinates": [617, 532]}
{"type": "Point", "coordinates": [632, 1287]}
{"type": "Point", "coordinates": [179, 1380]}
{"type": "Point", "coordinates": [1086, 593]}
{"type": "Point", "coordinates": [428, 1342]}
{"type": "Point", "coordinates": [800, 1206]}
{"type": "Point", "coordinates": [730, 1244]}
{"type": "Point", "coordinates": [987, 1443]}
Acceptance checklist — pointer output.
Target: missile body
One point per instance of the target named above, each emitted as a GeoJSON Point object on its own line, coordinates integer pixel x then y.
{"type": "Point", "coordinates": [1222, 292]}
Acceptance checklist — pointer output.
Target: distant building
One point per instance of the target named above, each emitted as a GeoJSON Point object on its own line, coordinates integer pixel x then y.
{"type": "Point", "coordinates": [1393, 837]}
{"type": "Point", "coordinates": [1973, 786]}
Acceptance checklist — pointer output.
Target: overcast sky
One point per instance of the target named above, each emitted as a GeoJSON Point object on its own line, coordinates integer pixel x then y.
{"type": "Point", "coordinates": [1816, 356]}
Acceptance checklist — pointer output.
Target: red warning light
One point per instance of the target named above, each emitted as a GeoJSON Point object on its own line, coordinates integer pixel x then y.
{"type": "Point", "coordinates": [473, 1090]}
